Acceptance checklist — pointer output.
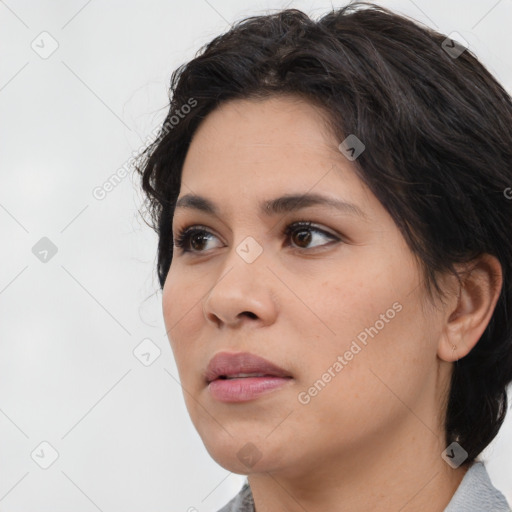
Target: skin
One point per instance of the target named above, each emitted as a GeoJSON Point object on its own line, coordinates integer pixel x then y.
{"type": "Point", "coordinates": [372, 438]}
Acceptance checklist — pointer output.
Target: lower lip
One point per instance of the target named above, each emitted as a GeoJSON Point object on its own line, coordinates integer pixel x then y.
{"type": "Point", "coordinates": [243, 389]}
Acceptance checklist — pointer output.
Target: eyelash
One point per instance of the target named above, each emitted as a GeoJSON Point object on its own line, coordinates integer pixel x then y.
{"type": "Point", "coordinates": [183, 236]}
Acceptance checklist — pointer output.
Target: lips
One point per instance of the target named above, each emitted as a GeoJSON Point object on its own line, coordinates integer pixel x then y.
{"type": "Point", "coordinates": [226, 365]}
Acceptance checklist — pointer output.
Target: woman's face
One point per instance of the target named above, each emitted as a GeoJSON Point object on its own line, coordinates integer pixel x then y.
{"type": "Point", "coordinates": [338, 305]}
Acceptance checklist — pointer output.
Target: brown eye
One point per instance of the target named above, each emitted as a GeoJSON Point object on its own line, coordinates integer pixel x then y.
{"type": "Point", "coordinates": [303, 234]}
{"type": "Point", "coordinates": [197, 240]}
{"type": "Point", "coordinates": [193, 239]}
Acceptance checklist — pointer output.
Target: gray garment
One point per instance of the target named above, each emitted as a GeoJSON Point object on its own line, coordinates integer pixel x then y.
{"type": "Point", "coordinates": [242, 502]}
{"type": "Point", "coordinates": [474, 494]}
{"type": "Point", "coordinates": [477, 494]}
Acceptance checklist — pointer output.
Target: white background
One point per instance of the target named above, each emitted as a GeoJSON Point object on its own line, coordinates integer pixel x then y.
{"type": "Point", "coordinates": [68, 327]}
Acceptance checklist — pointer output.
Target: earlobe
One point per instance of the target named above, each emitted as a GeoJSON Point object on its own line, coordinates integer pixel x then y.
{"type": "Point", "coordinates": [468, 315]}
{"type": "Point", "coordinates": [452, 345]}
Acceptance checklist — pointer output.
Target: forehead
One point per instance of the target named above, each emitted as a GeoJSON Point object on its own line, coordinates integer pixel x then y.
{"type": "Point", "coordinates": [265, 157]}
{"type": "Point", "coordinates": [275, 138]}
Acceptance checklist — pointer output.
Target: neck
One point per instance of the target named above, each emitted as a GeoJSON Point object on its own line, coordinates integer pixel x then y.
{"type": "Point", "coordinates": [405, 473]}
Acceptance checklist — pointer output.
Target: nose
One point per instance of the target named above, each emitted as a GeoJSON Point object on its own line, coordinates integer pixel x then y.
{"type": "Point", "coordinates": [243, 294]}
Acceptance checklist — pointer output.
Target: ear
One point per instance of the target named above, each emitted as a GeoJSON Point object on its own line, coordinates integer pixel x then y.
{"type": "Point", "coordinates": [468, 315]}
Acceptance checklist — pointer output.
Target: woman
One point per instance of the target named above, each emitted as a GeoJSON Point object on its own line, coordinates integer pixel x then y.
{"type": "Point", "coordinates": [332, 200]}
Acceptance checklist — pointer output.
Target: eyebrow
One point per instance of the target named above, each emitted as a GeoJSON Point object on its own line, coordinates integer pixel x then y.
{"type": "Point", "coordinates": [280, 205]}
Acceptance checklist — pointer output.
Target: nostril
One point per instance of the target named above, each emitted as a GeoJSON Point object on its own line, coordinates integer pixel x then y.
{"type": "Point", "coordinates": [250, 314]}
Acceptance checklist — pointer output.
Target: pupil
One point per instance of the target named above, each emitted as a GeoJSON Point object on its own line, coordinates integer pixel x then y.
{"type": "Point", "coordinates": [306, 238]}
{"type": "Point", "coordinates": [198, 237]}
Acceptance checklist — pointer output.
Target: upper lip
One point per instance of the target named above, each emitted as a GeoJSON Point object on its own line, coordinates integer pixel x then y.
{"type": "Point", "coordinates": [227, 364]}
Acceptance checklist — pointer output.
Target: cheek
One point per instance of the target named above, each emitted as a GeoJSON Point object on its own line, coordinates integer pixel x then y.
{"type": "Point", "coordinates": [182, 312]}
{"type": "Point", "coordinates": [364, 394]}
{"type": "Point", "coordinates": [356, 296]}
{"type": "Point", "coordinates": [379, 331]}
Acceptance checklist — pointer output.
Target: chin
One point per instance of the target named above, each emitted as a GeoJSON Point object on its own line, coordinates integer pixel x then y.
{"type": "Point", "coordinates": [239, 454]}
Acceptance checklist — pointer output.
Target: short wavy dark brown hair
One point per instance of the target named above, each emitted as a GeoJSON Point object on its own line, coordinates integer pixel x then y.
{"type": "Point", "coordinates": [438, 134]}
